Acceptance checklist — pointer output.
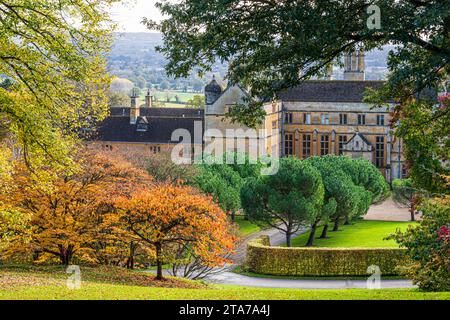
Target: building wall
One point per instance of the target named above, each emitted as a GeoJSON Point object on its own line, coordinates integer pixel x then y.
{"type": "Point", "coordinates": [325, 122]}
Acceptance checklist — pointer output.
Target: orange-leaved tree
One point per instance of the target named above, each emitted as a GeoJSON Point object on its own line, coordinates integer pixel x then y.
{"type": "Point", "coordinates": [169, 215]}
{"type": "Point", "coordinates": [65, 215]}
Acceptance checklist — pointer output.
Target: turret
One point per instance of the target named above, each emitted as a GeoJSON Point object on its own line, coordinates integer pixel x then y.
{"type": "Point", "coordinates": [212, 91]}
{"type": "Point", "coordinates": [148, 100]}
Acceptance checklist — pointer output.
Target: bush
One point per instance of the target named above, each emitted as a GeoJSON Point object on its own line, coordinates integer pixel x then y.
{"type": "Point", "coordinates": [263, 259]}
{"type": "Point", "coordinates": [428, 246]}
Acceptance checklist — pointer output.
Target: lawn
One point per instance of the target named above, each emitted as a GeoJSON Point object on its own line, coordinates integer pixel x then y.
{"type": "Point", "coordinates": [245, 227]}
{"type": "Point", "coordinates": [360, 234]}
{"type": "Point", "coordinates": [103, 283]}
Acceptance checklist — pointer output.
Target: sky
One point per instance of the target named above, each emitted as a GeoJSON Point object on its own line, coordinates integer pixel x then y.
{"type": "Point", "coordinates": [128, 15]}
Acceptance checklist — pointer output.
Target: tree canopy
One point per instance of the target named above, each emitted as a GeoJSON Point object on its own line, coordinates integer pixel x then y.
{"type": "Point", "coordinates": [272, 45]}
{"type": "Point", "coordinates": [52, 52]}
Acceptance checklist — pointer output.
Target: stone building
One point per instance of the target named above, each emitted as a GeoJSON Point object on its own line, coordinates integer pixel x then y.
{"type": "Point", "coordinates": [145, 130]}
{"type": "Point", "coordinates": [317, 118]}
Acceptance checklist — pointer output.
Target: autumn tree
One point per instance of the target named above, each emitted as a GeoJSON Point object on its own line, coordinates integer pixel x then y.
{"type": "Point", "coordinates": [290, 199]}
{"type": "Point", "coordinates": [64, 215]}
{"type": "Point", "coordinates": [52, 52]}
{"type": "Point", "coordinates": [166, 216]}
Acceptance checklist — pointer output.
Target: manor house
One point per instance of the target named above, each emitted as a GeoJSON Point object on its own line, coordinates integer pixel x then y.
{"type": "Point", "coordinates": [317, 118]}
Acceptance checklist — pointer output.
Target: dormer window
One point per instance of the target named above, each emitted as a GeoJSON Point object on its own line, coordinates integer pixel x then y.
{"type": "Point", "coordinates": [142, 125]}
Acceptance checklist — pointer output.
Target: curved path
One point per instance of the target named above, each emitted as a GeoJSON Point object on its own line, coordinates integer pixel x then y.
{"type": "Point", "coordinates": [241, 280]}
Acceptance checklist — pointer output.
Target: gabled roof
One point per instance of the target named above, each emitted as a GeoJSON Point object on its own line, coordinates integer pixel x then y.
{"type": "Point", "coordinates": [363, 138]}
{"type": "Point", "coordinates": [329, 91]}
{"type": "Point", "coordinates": [159, 123]}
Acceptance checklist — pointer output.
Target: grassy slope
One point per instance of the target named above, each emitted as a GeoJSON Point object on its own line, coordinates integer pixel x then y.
{"type": "Point", "coordinates": [101, 283]}
{"type": "Point", "coordinates": [245, 226]}
{"type": "Point", "coordinates": [362, 234]}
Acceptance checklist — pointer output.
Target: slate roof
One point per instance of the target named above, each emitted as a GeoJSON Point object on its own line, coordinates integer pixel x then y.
{"type": "Point", "coordinates": [329, 91]}
{"type": "Point", "coordinates": [160, 112]}
{"type": "Point", "coordinates": [161, 124]}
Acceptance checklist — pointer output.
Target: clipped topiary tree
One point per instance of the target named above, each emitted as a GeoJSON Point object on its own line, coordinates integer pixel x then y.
{"type": "Point", "coordinates": [287, 200]}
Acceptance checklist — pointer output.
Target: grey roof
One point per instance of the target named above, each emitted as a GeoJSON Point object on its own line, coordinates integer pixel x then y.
{"type": "Point", "coordinates": [160, 112]}
{"type": "Point", "coordinates": [159, 124]}
{"type": "Point", "coordinates": [329, 91]}
{"type": "Point", "coordinates": [213, 86]}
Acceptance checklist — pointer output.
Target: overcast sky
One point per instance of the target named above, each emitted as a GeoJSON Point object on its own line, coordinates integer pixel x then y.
{"type": "Point", "coordinates": [129, 15]}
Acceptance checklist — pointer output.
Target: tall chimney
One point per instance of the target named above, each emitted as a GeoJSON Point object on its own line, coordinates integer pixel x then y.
{"type": "Point", "coordinates": [148, 100]}
{"type": "Point", "coordinates": [134, 110]}
{"type": "Point", "coordinates": [355, 66]}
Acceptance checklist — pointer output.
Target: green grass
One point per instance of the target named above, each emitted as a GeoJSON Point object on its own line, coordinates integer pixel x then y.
{"type": "Point", "coordinates": [95, 291]}
{"type": "Point", "coordinates": [48, 283]}
{"type": "Point", "coordinates": [360, 234]}
{"type": "Point", "coordinates": [161, 96]}
{"type": "Point", "coordinates": [245, 227]}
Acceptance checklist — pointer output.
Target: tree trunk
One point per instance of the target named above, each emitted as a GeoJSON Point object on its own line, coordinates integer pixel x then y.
{"type": "Point", "coordinates": [288, 239]}
{"type": "Point", "coordinates": [311, 235]}
{"type": "Point", "coordinates": [324, 231]}
{"type": "Point", "coordinates": [130, 260]}
{"type": "Point", "coordinates": [347, 221]}
{"type": "Point", "coordinates": [336, 224]}
{"type": "Point", "coordinates": [233, 216]}
{"type": "Point", "coordinates": [412, 211]}
{"type": "Point", "coordinates": [159, 269]}
{"type": "Point", "coordinates": [66, 255]}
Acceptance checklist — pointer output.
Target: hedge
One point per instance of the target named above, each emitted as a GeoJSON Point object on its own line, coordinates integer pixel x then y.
{"type": "Point", "coordinates": [264, 259]}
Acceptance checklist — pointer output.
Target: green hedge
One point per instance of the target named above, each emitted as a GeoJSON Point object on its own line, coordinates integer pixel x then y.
{"type": "Point", "coordinates": [264, 259]}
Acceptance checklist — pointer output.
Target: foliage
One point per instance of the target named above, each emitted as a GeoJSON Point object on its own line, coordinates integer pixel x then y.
{"type": "Point", "coordinates": [428, 246]}
{"type": "Point", "coordinates": [272, 45]}
{"type": "Point", "coordinates": [352, 183]}
{"type": "Point", "coordinates": [64, 217]}
{"type": "Point", "coordinates": [197, 102]}
{"type": "Point", "coordinates": [424, 129]}
{"type": "Point", "coordinates": [263, 259]}
{"type": "Point", "coordinates": [287, 200]}
{"type": "Point", "coordinates": [166, 216]}
{"type": "Point", "coordinates": [404, 194]}
{"type": "Point", "coordinates": [119, 99]}
{"type": "Point", "coordinates": [223, 178]}
{"type": "Point", "coordinates": [58, 73]}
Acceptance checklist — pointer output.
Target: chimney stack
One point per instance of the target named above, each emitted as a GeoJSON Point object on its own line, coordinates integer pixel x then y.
{"type": "Point", "coordinates": [148, 100]}
{"type": "Point", "coordinates": [134, 110]}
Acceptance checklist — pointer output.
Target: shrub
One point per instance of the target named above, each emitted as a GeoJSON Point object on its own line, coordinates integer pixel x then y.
{"type": "Point", "coordinates": [263, 259]}
{"type": "Point", "coordinates": [428, 246]}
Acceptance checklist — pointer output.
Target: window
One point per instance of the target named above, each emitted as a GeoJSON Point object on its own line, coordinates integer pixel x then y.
{"type": "Point", "coordinates": [324, 145]}
{"type": "Point", "coordinates": [343, 118]}
{"type": "Point", "coordinates": [306, 145]}
{"type": "Point", "coordinates": [379, 152]}
{"type": "Point", "coordinates": [274, 124]}
{"type": "Point", "coordinates": [325, 119]}
{"type": "Point", "coordinates": [288, 117]}
{"type": "Point", "coordinates": [288, 144]}
{"type": "Point", "coordinates": [307, 118]}
{"type": "Point", "coordinates": [380, 119]}
{"type": "Point", "coordinates": [155, 149]}
{"type": "Point", "coordinates": [342, 142]}
{"type": "Point", "coordinates": [361, 119]}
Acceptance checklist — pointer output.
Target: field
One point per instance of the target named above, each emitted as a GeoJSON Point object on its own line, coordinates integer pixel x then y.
{"type": "Point", "coordinates": [161, 96]}
{"type": "Point", "coordinates": [49, 283]}
{"type": "Point", "coordinates": [360, 234]}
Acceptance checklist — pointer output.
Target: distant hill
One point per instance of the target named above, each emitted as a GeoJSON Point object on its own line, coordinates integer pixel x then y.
{"type": "Point", "coordinates": [133, 56]}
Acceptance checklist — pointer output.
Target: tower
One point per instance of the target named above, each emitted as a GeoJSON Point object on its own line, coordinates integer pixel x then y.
{"type": "Point", "coordinates": [212, 91]}
{"type": "Point", "coordinates": [355, 66]}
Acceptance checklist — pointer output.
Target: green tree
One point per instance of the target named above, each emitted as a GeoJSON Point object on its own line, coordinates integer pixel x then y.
{"type": "Point", "coordinates": [197, 102]}
{"type": "Point", "coordinates": [223, 184]}
{"type": "Point", "coordinates": [58, 72]}
{"type": "Point", "coordinates": [272, 45]}
{"type": "Point", "coordinates": [118, 99]}
{"type": "Point", "coordinates": [405, 194]}
{"type": "Point", "coordinates": [287, 200]}
{"type": "Point", "coordinates": [428, 245]}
